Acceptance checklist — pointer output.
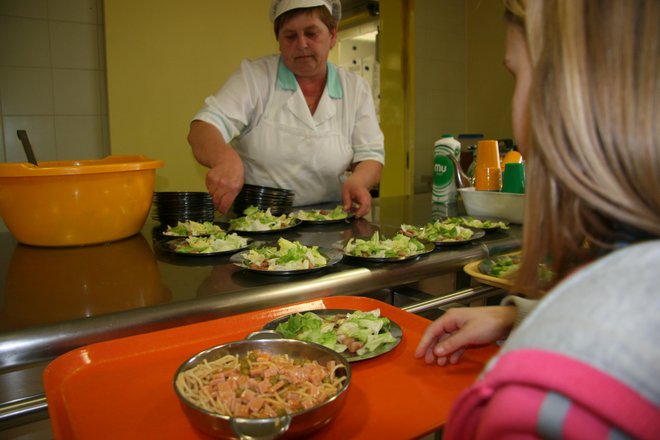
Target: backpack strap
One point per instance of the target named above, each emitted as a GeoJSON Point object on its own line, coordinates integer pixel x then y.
{"type": "Point", "coordinates": [535, 393]}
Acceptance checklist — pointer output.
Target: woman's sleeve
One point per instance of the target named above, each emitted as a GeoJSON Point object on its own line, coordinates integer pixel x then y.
{"type": "Point", "coordinates": [523, 306]}
{"type": "Point", "coordinates": [232, 108]}
{"type": "Point", "coordinates": [367, 138]}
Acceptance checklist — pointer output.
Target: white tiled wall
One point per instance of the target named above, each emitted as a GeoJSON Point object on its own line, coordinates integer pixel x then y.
{"type": "Point", "coordinates": [440, 79]}
{"type": "Point", "coordinates": [52, 79]}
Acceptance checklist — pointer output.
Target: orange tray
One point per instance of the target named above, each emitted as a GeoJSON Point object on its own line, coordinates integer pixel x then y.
{"type": "Point", "coordinates": [123, 388]}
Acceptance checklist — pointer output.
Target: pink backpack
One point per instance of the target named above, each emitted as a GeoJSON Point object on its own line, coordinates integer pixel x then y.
{"type": "Point", "coordinates": [539, 394]}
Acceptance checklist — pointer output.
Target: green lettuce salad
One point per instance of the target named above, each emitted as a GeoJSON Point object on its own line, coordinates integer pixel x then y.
{"type": "Point", "coordinates": [376, 247]}
{"type": "Point", "coordinates": [472, 222]}
{"type": "Point", "coordinates": [218, 242]}
{"type": "Point", "coordinates": [191, 228]}
{"type": "Point", "coordinates": [258, 220]}
{"type": "Point", "coordinates": [438, 232]}
{"type": "Point", "coordinates": [337, 213]}
{"type": "Point", "coordinates": [288, 255]}
{"type": "Point", "coordinates": [357, 333]}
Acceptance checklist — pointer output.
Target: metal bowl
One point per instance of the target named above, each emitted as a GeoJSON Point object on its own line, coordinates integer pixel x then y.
{"type": "Point", "coordinates": [289, 426]}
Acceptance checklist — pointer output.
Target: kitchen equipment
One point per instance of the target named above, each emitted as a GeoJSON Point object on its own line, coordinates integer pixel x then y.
{"type": "Point", "coordinates": [72, 203]}
{"type": "Point", "coordinates": [493, 204]}
{"type": "Point", "coordinates": [293, 425]}
{"type": "Point", "coordinates": [22, 135]}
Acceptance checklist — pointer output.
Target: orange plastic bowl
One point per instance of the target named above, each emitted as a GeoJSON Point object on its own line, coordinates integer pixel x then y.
{"type": "Point", "coordinates": [73, 203]}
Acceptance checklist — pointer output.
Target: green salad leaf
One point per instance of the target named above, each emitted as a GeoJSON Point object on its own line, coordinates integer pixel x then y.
{"type": "Point", "coordinates": [358, 332]}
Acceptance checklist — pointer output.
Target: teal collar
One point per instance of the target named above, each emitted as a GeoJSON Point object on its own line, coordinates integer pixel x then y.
{"type": "Point", "coordinates": [287, 80]}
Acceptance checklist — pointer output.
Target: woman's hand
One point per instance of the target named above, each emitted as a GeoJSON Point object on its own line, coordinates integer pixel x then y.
{"type": "Point", "coordinates": [226, 172]}
{"type": "Point", "coordinates": [445, 340]}
{"type": "Point", "coordinates": [355, 190]}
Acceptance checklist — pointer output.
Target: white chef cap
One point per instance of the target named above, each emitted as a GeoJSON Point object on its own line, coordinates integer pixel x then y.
{"type": "Point", "coordinates": [278, 7]}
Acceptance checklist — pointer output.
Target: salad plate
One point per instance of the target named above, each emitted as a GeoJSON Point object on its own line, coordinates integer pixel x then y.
{"type": "Point", "coordinates": [331, 319]}
{"type": "Point", "coordinates": [181, 246]}
{"type": "Point", "coordinates": [451, 242]}
{"type": "Point", "coordinates": [428, 248]}
{"type": "Point", "coordinates": [400, 247]}
{"type": "Point", "coordinates": [328, 221]}
{"type": "Point", "coordinates": [323, 216]}
{"type": "Point", "coordinates": [242, 260]}
{"type": "Point", "coordinates": [292, 224]}
{"type": "Point", "coordinates": [191, 228]}
{"type": "Point", "coordinates": [483, 223]}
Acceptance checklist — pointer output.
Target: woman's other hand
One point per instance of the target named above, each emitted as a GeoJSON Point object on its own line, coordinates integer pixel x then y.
{"type": "Point", "coordinates": [445, 340]}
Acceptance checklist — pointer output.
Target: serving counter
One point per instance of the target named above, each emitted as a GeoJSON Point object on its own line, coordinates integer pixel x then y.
{"type": "Point", "coordinates": [53, 300]}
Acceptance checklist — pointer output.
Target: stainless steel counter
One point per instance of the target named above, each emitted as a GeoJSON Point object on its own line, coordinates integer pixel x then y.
{"type": "Point", "coordinates": [55, 300]}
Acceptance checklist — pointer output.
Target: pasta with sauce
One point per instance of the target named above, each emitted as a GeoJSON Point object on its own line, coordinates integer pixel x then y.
{"type": "Point", "coordinates": [259, 385]}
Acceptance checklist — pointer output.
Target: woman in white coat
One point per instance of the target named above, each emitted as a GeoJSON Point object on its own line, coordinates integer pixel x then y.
{"type": "Point", "coordinates": [293, 120]}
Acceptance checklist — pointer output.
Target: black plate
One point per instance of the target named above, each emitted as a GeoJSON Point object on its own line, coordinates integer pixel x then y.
{"type": "Point", "coordinates": [332, 255]}
{"type": "Point", "coordinates": [476, 236]}
{"type": "Point", "coordinates": [293, 224]}
{"type": "Point", "coordinates": [428, 248]}
{"type": "Point", "coordinates": [394, 329]}
{"type": "Point", "coordinates": [170, 246]}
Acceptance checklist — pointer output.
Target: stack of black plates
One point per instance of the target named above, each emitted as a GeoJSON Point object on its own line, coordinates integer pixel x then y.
{"type": "Point", "coordinates": [280, 201]}
{"type": "Point", "coordinates": [173, 207]}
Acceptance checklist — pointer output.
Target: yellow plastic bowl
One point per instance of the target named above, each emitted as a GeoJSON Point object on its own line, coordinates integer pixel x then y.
{"type": "Point", "coordinates": [73, 203]}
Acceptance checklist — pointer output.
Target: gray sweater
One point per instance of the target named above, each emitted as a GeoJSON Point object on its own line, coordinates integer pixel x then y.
{"type": "Point", "coordinates": [606, 314]}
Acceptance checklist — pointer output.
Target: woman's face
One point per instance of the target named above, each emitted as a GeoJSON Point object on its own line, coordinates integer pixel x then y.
{"type": "Point", "coordinates": [517, 61]}
{"type": "Point", "coordinates": [305, 42]}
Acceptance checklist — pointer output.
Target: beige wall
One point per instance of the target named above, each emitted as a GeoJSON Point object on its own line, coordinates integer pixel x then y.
{"type": "Point", "coordinates": [488, 97]}
{"type": "Point", "coordinates": [163, 59]}
{"type": "Point", "coordinates": [461, 85]}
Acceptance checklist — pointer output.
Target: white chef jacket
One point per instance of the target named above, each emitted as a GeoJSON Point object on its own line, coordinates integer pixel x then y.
{"type": "Point", "coordinates": [262, 112]}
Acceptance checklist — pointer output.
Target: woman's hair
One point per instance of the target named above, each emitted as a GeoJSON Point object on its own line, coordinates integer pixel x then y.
{"type": "Point", "coordinates": [322, 13]}
{"type": "Point", "coordinates": [593, 166]}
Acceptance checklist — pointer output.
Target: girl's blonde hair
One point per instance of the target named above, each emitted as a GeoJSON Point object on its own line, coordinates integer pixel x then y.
{"type": "Point", "coordinates": [594, 164]}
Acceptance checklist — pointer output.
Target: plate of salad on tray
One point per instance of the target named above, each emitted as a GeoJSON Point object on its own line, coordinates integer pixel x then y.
{"type": "Point", "coordinates": [214, 245]}
{"type": "Point", "coordinates": [356, 334]}
{"type": "Point", "coordinates": [256, 221]}
{"type": "Point", "coordinates": [287, 258]}
{"type": "Point", "coordinates": [381, 249]}
{"type": "Point", "coordinates": [442, 234]}
{"type": "Point", "coordinates": [500, 270]}
{"type": "Point", "coordinates": [323, 216]}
